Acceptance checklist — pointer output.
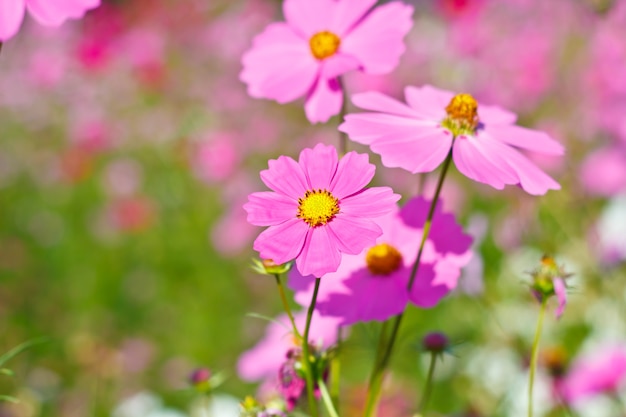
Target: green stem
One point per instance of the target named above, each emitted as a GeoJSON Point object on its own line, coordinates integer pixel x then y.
{"type": "Point", "coordinates": [534, 356]}
{"type": "Point", "coordinates": [373, 393]}
{"type": "Point", "coordinates": [306, 354]}
{"type": "Point", "coordinates": [328, 401]}
{"type": "Point", "coordinates": [428, 389]}
{"type": "Point", "coordinates": [281, 291]}
{"type": "Point", "coordinates": [343, 137]}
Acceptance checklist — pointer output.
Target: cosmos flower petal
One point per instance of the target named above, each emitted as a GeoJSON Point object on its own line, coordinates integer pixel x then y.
{"type": "Point", "coordinates": [561, 296]}
{"type": "Point", "coordinates": [320, 254]}
{"type": "Point", "coordinates": [325, 101]}
{"type": "Point", "coordinates": [53, 13]}
{"type": "Point", "coordinates": [352, 234]}
{"type": "Point", "coordinates": [279, 66]}
{"type": "Point", "coordinates": [371, 202]}
{"type": "Point", "coordinates": [11, 16]}
{"type": "Point", "coordinates": [475, 165]}
{"type": "Point", "coordinates": [308, 17]}
{"type": "Point", "coordinates": [283, 242]}
{"type": "Point", "coordinates": [285, 176]}
{"type": "Point", "coordinates": [377, 40]}
{"type": "Point", "coordinates": [319, 165]}
{"type": "Point", "coordinates": [338, 64]}
{"type": "Point", "coordinates": [426, 292]}
{"type": "Point", "coordinates": [373, 100]}
{"type": "Point", "coordinates": [494, 115]}
{"type": "Point", "coordinates": [427, 101]}
{"type": "Point", "coordinates": [353, 173]}
{"type": "Point", "coordinates": [268, 208]}
{"type": "Point", "coordinates": [532, 140]}
{"type": "Point", "coordinates": [347, 13]}
{"type": "Point", "coordinates": [365, 127]}
{"type": "Point", "coordinates": [422, 151]}
{"type": "Point", "coordinates": [533, 180]}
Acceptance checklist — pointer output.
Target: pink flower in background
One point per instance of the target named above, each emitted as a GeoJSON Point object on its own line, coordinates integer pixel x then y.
{"type": "Point", "coordinates": [418, 137]}
{"type": "Point", "coordinates": [318, 209]}
{"type": "Point", "coordinates": [601, 372]}
{"type": "Point", "coordinates": [265, 359]}
{"type": "Point", "coordinates": [603, 172]}
{"type": "Point", "coordinates": [216, 158]}
{"type": "Point", "coordinates": [46, 12]}
{"type": "Point", "coordinates": [321, 40]}
{"type": "Point", "coordinates": [373, 284]}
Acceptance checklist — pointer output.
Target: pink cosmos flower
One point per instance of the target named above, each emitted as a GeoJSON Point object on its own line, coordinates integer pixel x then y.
{"type": "Point", "coordinates": [318, 209]}
{"type": "Point", "coordinates": [602, 372]}
{"type": "Point", "coordinates": [321, 40]}
{"type": "Point", "coordinates": [46, 12]}
{"type": "Point", "coordinates": [265, 359]}
{"type": "Point", "coordinates": [419, 135]}
{"type": "Point", "coordinates": [373, 284]}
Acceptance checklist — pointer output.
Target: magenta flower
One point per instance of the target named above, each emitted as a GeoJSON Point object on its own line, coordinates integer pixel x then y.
{"type": "Point", "coordinates": [46, 12]}
{"type": "Point", "coordinates": [602, 372]}
{"type": "Point", "coordinates": [321, 40]}
{"type": "Point", "coordinates": [373, 284]}
{"type": "Point", "coordinates": [419, 136]}
{"type": "Point", "coordinates": [265, 359]}
{"type": "Point", "coordinates": [318, 209]}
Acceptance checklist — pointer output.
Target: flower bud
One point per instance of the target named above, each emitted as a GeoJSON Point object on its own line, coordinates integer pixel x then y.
{"type": "Point", "coordinates": [436, 342]}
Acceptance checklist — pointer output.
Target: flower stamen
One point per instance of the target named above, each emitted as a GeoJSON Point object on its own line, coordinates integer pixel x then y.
{"type": "Point", "coordinates": [462, 115]}
{"type": "Point", "coordinates": [383, 259]}
{"type": "Point", "coordinates": [317, 207]}
{"type": "Point", "coordinates": [324, 44]}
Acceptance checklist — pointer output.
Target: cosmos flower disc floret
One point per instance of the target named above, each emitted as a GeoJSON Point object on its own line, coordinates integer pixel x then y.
{"type": "Point", "coordinates": [318, 209]}
{"type": "Point", "coordinates": [419, 135]}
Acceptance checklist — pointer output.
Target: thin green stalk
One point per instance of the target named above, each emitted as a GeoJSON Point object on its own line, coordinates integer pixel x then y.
{"type": "Point", "coordinates": [373, 394]}
{"type": "Point", "coordinates": [281, 291]}
{"type": "Point", "coordinates": [534, 356]}
{"type": "Point", "coordinates": [428, 389]}
{"type": "Point", "coordinates": [307, 355]}
{"type": "Point", "coordinates": [328, 401]}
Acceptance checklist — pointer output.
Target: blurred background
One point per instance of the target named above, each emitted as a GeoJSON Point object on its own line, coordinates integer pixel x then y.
{"type": "Point", "coordinates": [128, 146]}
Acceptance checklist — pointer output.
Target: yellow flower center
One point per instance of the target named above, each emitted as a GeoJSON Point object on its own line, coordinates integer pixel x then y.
{"type": "Point", "coordinates": [462, 115]}
{"type": "Point", "coordinates": [324, 44]}
{"type": "Point", "coordinates": [317, 207]}
{"type": "Point", "coordinates": [383, 259]}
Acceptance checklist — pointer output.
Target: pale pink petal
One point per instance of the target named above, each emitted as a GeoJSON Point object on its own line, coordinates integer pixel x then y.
{"type": "Point", "coordinates": [319, 255]}
{"type": "Point", "coordinates": [561, 296]}
{"type": "Point", "coordinates": [371, 202]}
{"type": "Point", "coordinates": [533, 140]}
{"type": "Point", "coordinates": [494, 115]}
{"type": "Point", "coordinates": [365, 127]}
{"type": "Point", "coordinates": [283, 242]}
{"type": "Point", "coordinates": [377, 41]}
{"type": "Point", "coordinates": [603, 172]}
{"type": "Point", "coordinates": [308, 17]}
{"type": "Point", "coordinates": [338, 64]}
{"type": "Point", "coordinates": [268, 208]}
{"type": "Point", "coordinates": [531, 179]}
{"type": "Point", "coordinates": [428, 101]}
{"type": "Point", "coordinates": [376, 101]}
{"type": "Point", "coordinates": [279, 65]}
{"type": "Point", "coordinates": [353, 234]}
{"type": "Point", "coordinates": [11, 16]}
{"type": "Point", "coordinates": [53, 13]}
{"type": "Point", "coordinates": [325, 101]}
{"type": "Point", "coordinates": [285, 176]}
{"type": "Point", "coordinates": [319, 166]}
{"type": "Point", "coordinates": [472, 163]}
{"type": "Point", "coordinates": [353, 173]}
{"type": "Point", "coordinates": [421, 151]}
{"type": "Point", "coordinates": [346, 13]}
